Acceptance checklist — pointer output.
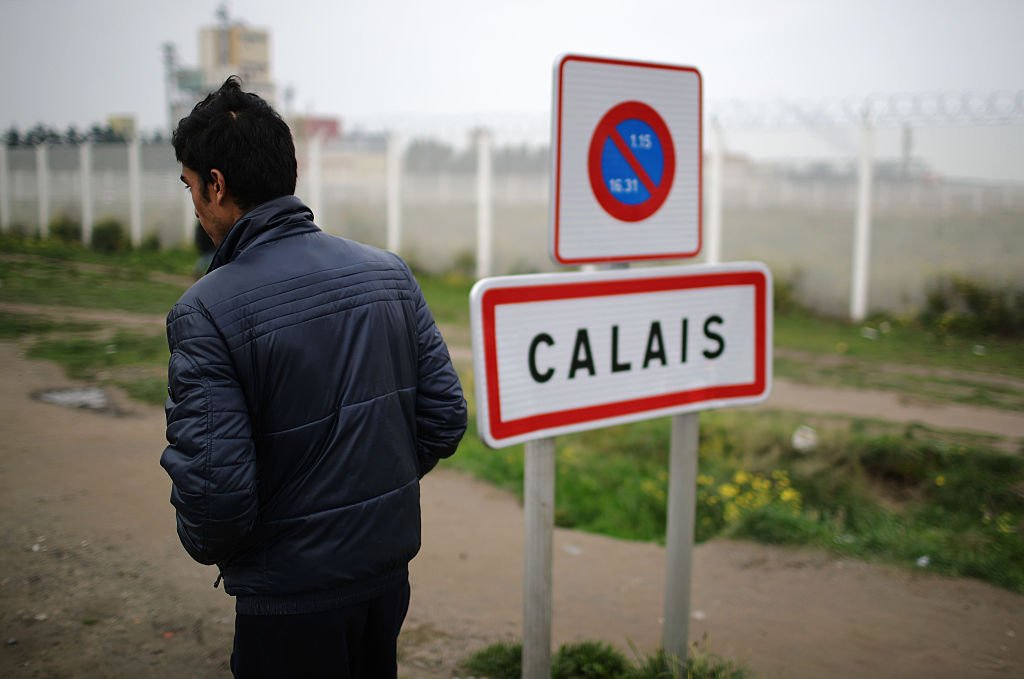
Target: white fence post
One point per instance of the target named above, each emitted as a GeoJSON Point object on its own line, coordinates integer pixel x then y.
{"type": "Point", "coordinates": [135, 191]}
{"type": "Point", "coordinates": [5, 191]}
{"type": "Point", "coordinates": [314, 178]}
{"type": "Point", "coordinates": [396, 152]}
{"type": "Point", "coordinates": [43, 188]}
{"type": "Point", "coordinates": [484, 226]}
{"type": "Point", "coordinates": [682, 510]}
{"type": "Point", "coordinates": [85, 172]}
{"type": "Point", "coordinates": [715, 189]}
{"type": "Point", "coordinates": [862, 229]}
{"type": "Point", "coordinates": [539, 514]}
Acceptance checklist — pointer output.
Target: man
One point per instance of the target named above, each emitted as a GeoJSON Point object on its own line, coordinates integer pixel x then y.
{"type": "Point", "coordinates": [309, 391]}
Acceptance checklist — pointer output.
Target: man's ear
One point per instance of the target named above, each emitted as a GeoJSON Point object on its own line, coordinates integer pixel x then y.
{"type": "Point", "coordinates": [218, 185]}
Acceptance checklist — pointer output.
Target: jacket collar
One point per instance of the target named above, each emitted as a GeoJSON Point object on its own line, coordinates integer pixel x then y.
{"type": "Point", "coordinates": [277, 218]}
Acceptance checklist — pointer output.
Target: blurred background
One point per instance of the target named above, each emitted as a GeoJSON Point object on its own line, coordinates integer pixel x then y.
{"type": "Point", "coordinates": [417, 125]}
{"type": "Point", "coordinates": [888, 459]}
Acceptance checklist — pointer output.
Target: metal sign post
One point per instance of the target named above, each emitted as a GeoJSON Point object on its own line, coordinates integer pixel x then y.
{"type": "Point", "coordinates": [539, 510]}
{"type": "Point", "coordinates": [562, 353]}
{"type": "Point", "coordinates": [679, 534]}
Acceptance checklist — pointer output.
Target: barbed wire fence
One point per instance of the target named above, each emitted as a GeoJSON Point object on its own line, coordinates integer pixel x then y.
{"type": "Point", "coordinates": [833, 120]}
{"type": "Point", "coordinates": [474, 204]}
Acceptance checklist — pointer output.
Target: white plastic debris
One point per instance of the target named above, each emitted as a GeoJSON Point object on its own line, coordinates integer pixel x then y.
{"type": "Point", "coordinates": [805, 439]}
{"type": "Point", "coordinates": [978, 350]}
{"type": "Point", "coordinates": [92, 398]}
{"type": "Point", "coordinates": [923, 561]}
{"type": "Point", "coordinates": [868, 333]}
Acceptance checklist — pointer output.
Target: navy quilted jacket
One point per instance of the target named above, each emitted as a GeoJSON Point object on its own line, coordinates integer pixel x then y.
{"type": "Point", "coordinates": [309, 391]}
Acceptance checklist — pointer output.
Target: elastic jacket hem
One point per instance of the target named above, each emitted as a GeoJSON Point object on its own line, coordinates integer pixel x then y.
{"type": "Point", "coordinates": [318, 602]}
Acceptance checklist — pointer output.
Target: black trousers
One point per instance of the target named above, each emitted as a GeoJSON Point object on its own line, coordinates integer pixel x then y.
{"type": "Point", "coordinates": [354, 642]}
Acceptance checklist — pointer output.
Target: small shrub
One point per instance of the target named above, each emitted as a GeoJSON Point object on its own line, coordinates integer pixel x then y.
{"type": "Point", "coordinates": [497, 661]}
{"type": "Point", "coordinates": [699, 665]}
{"type": "Point", "coordinates": [958, 305]}
{"type": "Point", "coordinates": [588, 660]}
{"type": "Point", "coordinates": [65, 229]}
{"type": "Point", "coordinates": [108, 236]}
{"type": "Point", "coordinates": [464, 264]}
{"type": "Point", "coordinates": [785, 293]}
{"type": "Point", "coordinates": [151, 243]}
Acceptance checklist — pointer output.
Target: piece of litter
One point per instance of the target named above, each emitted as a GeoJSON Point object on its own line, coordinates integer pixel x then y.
{"type": "Point", "coordinates": [699, 615]}
{"type": "Point", "coordinates": [572, 550]}
{"type": "Point", "coordinates": [868, 333]}
{"type": "Point", "coordinates": [978, 349]}
{"type": "Point", "coordinates": [805, 439]}
{"type": "Point", "coordinates": [91, 398]}
{"type": "Point", "coordinates": [923, 561]}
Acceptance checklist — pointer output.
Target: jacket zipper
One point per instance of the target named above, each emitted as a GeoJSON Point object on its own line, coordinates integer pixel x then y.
{"type": "Point", "coordinates": [220, 576]}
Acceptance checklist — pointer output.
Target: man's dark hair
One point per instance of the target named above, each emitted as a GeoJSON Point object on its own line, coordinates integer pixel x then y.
{"type": "Point", "coordinates": [239, 134]}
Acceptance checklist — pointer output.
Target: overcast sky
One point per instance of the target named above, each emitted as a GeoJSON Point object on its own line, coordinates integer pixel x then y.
{"type": "Point", "coordinates": [67, 61]}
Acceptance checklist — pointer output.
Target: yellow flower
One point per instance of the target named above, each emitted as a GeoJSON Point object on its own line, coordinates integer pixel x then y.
{"type": "Point", "coordinates": [732, 513]}
{"type": "Point", "coordinates": [789, 495]}
{"type": "Point", "coordinates": [740, 477]}
{"type": "Point", "coordinates": [940, 481]}
{"type": "Point", "coordinates": [705, 480]}
{"type": "Point", "coordinates": [727, 490]}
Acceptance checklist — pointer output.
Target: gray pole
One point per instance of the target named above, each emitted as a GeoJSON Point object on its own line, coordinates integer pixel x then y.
{"type": "Point", "coordinates": [5, 192]}
{"type": "Point", "coordinates": [862, 229]}
{"type": "Point", "coordinates": [539, 508]}
{"type": "Point", "coordinates": [85, 171]}
{"type": "Point", "coordinates": [394, 191]}
{"type": "Point", "coordinates": [484, 226]}
{"type": "Point", "coordinates": [135, 191]}
{"type": "Point", "coordinates": [714, 220]}
{"type": "Point", "coordinates": [314, 172]}
{"type": "Point", "coordinates": [43, 188]}
{"type": "Point", "coordinates": [682, 510]}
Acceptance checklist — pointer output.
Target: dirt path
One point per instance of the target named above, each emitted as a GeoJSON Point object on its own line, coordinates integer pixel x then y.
{"type": "Point", "coordinates": [786, 394]}
{"type": "Point", "coordinates": [94, 583]}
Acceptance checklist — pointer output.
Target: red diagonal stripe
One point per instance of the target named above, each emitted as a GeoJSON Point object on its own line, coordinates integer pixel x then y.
{"type": "Point", "coordinates": [627, 153]}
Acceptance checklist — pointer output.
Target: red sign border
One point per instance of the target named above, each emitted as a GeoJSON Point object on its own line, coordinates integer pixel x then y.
{"type": "Point", "coordinates": [558, 164]}
{"type": "Point", "coordinates": [491, 298]}
{"type": "Point", "coordinates": [625, 111]}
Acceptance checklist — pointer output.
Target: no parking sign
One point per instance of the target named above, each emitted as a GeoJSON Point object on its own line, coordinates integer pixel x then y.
{"type": "Point", "coordinates": [626, 176]}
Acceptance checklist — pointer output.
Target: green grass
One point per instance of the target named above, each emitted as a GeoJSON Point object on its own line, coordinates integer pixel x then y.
{"type": "Point", "coordinates": [863, 374]}
{"type": "Point", "coordinates": [598, 660]}
{"type": "Point", "coordinates": [88, 358]}
{"type": "Point", "coordinates": [903, 344]}
{"type": "Point", "coordinates": [172, 261]}
{"type": "Point", "coordinates": [21, 325]}
{"type": "Point", "coordinates": [60, 282]}
{"type": "Point", "coordinates": [871, 490]}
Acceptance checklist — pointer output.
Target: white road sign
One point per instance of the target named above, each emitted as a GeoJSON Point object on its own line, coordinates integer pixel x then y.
{"type": "Point", "coordinates": [558, 353]}
{"type": "Point", "coordinates": [626, 156]}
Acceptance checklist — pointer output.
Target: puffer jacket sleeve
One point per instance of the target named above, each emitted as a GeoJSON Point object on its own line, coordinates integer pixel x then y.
{"type": "Point", "coordinates": [440, 406]}
{"type": "Point", "coordinates": [210, 457]}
